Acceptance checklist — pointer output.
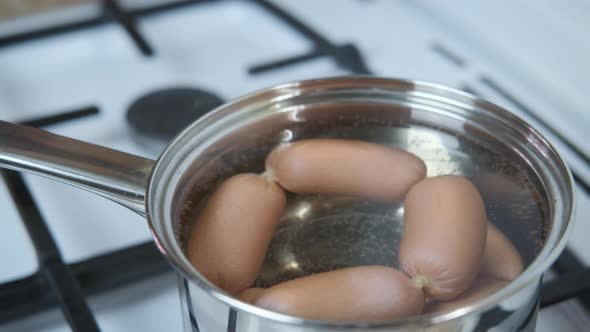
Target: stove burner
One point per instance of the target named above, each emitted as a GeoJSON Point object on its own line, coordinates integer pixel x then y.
{"type": "Point", "coordinates": [158, 116]}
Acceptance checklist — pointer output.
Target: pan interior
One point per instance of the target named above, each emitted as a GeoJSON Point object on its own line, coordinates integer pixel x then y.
{"type": "Point", "coordinates": [324, 232]}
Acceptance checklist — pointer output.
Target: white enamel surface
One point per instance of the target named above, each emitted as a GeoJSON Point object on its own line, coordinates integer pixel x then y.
{"type": "Point", "coordinates": [535, 49]}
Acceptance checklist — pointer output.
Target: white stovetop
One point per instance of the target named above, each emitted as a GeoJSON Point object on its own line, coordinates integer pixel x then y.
{"type": "Point", "coordinates": [536, 49]}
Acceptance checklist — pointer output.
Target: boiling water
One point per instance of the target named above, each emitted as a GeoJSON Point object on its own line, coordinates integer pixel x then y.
{"type": "Point", "coordinates": [324, 232]}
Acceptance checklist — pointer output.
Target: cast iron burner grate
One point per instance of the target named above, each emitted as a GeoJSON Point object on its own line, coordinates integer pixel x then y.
{"type": "Point", "coordinates": [57, 283]}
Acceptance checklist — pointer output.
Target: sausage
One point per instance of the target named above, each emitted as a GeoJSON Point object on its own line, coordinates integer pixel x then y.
{"type": "Point", "coordinates": [351, 294]}
{"type": "Point", "coordinates": [481, 288]}
{"type": "Point", "coordinates": [348, 167]}
{"type": "Point", "coordinates": [233, 231]}
{"type": "Point", "coordinates": [500, 260]}
{"type": "Point", "coordinates": [250, 295]}
{"type": "Point", "coordinates": [444, 235]}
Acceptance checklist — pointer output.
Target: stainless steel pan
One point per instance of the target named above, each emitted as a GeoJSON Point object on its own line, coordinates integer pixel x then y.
{"type": "Point", "coordinates": [433, 121]}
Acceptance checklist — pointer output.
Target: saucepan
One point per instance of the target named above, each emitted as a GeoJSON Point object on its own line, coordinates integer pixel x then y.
{"type": "Point", "coordinates": [526, 186]}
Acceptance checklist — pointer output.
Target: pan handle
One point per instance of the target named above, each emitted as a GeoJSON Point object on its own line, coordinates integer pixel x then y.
{"type": "Point", "coordinates": [116, 175]}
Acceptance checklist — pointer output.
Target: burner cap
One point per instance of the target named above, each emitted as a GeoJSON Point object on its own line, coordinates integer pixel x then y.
{"type": "Point", "coordinates": [160, 115]}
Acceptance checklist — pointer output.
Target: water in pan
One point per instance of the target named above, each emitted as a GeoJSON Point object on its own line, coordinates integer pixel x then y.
{"type": "Point", "coordinates": [325, 232]}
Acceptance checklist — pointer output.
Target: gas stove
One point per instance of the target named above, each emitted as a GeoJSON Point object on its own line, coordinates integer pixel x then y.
{"type": "Point", "coordinates": [72, 260]}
